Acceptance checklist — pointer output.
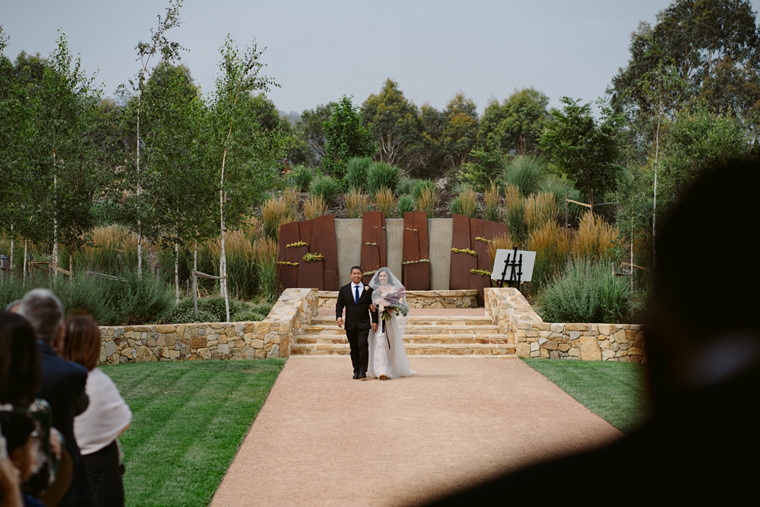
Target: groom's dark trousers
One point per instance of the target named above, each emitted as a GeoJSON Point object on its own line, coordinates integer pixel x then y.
{"type": "Point", "coordinates": [357, 324]}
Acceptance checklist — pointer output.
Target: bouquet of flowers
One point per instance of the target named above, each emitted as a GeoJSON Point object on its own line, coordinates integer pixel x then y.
{"type": "Point", "coordinates": [393, 304]}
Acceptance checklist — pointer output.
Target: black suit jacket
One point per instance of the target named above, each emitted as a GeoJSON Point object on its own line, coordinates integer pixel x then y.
{"type": "Point", "coordinates": [357, 314]}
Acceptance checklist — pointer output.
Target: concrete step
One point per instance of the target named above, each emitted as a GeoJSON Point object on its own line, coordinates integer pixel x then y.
{"type": "Point", "coordinates": [411, 339]}
{"type": "Point", "coordinates": [331, 329]}
{"type": "Point", "coordinates": [417, 350]}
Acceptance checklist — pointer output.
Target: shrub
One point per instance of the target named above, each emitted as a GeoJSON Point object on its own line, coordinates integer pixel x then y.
{"type": "Point", "coordinates": [586, 291]}
{"type": "Point", "coordinates": [325, 187]}
{"type": "Point", "coordinates": [515, 214]}
{"type": "Point", "coordinates": [357, 171]}
{"type": "Point", "coordinates": [526, 173]}
{"type": "Point", "coordinates": [382, 175]}
{"type": "Point", "coordinates": [405, 203]}
{"type": "Point", "coordinates": [300, 178]}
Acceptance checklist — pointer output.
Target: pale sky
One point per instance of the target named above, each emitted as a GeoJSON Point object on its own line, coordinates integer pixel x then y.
{"type": "Point", "coordinates": [319, 51]}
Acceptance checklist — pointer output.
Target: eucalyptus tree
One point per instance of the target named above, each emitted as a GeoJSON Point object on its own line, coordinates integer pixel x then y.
{"type": "Point", "coordinates": [460, 133]}
{"type": "Point", "coordinates": [712, 45]}
{"type": "Point", "coordinates": [586, 149]}
{"type": "Point", "coordinates": [309, 128]}
{"type": "Point", "coordinates": [394, 123]}
{"type": "Point", "coordinates": [514, 126]}
{"type": "Point", "coordinates": [158, 44]}
{"type": "Point", "coordinates": [245, 156]}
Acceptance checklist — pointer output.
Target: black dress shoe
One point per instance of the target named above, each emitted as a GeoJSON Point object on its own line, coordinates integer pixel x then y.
{"type": "Point", "coordinates": [356, 375]}
{"type": "Point", "coordinates": [363, 374]}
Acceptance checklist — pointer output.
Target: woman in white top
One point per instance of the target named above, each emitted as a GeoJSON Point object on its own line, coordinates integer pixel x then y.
{"type": "Point", "coordinates": [97, 429]}
{"type": "Point", "coordinates": [387, 356]}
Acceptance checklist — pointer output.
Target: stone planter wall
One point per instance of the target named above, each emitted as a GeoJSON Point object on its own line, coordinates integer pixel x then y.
{"type": "Point", "coordinates": [294, 310]}
{"type": "Point", "coordinates": [535, 338]}
{"type": "Point", "coordinates": [213, 340]}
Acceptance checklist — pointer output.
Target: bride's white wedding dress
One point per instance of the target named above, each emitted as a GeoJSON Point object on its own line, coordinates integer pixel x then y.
{"type": "Point", "coordinates": [387, 355]}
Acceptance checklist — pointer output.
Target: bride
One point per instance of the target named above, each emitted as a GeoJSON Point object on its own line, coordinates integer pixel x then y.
{"type": "Point", "coordinates": [387, 357]}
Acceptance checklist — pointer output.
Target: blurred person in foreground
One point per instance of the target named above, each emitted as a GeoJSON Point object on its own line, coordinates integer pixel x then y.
{"type": "Point", "coordinates": [62, 384]}
{"type": "Point", "coordinates": [20, 378]}
{"type": "Point", "coordinates": [97, 429]}
{"type": "Point", "coordinates": [700, 440]}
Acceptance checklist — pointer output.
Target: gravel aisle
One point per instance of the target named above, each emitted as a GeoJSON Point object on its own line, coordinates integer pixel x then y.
{"type": "Point", "coordinates": [323, 438]}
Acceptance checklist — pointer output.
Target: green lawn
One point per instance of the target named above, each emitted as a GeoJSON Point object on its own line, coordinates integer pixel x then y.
{"type": "Point", "coordinates": [189, 418]}
{"type": "Point", "coordinates": [613, 391]}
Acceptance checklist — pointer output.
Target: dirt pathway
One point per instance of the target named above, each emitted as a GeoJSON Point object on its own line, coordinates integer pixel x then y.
{"type": "Point", "coordinates": [323, 438]}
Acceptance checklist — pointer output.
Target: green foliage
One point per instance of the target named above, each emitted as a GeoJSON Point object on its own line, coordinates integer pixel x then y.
{"type": "Point", "coordinates": [406, 203]}
{"type": "Point", "coordinates": [586, 291]}
{"type": "Point", "coordinates": [382, 175]}
{"type": "Point", "coordinates": [300, 177]}
{"type": "Point", "coordinates": [587, 150]}
{"type": "Point", "coordinates": [326, 187]}
{"type": "Point", "coordinates": [212, 309]}
{"type": "Point", "coordinates": [527, 174]}
{"type": "Point", "coordinates": [514, 126]}
{"type": "Point", "coordinates": [697, 140]}
{"type": "Point", "coordinates": [487, 167]}
{"type": "Point", "coordinates": [345, 138]}
{"type": "Point", "coordinates": [357, 170]}
{"type": "Point", "coordinates": [393, 123]}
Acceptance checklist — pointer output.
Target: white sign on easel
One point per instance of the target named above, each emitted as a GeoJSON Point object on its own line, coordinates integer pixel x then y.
{"type": "Point", "coordinates": [504, 263]}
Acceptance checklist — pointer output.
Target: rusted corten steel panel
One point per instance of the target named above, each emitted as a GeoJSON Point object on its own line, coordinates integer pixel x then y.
{"type": "Point", "coordinates": [297, 239]}
{"type": "Point", "coordinates": [462, 261]}
{"type": "Point", "coordinates": [323, 241]}
{"type": "Point", "coordinates": [287, 272]}
{"type": "Point", "coordinates": [374, 253]}
{"type": "Point", "coordinates": [416, 258]}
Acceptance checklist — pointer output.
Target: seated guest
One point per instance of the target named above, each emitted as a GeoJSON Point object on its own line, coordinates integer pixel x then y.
{"type": "Point", "coordinates": [62, 386]}
{"type": "Point", "coordinates": [107, 416]}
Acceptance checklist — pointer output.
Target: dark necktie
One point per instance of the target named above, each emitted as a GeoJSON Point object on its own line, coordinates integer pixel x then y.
{"type": "Point", "coordinates": [356, 294]}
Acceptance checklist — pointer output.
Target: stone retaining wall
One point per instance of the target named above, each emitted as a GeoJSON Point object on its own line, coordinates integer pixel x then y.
{"type": "Point", "coordinates": [270, 337]}
{"type": "Point", "coordinates": [294, 310]}
{"type": "Point", "coordinates": [535, 338]}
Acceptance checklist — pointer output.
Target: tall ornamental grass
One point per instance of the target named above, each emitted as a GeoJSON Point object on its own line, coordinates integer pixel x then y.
{"type": "Point", "coordinates": [357, 202]}
{"type": "Point", "coordinates": [595, 238]}
{"type": "Point", "coordinates": [427, 200]}
{"type": "Point", "coordinates": [551, 243]}
{"type": "Point", "coordinates": [357, 171]}
{"type": "Point", "coordinates": [492, 203]}
{"type": "Point", "coordinates": [274, 213]}
{"type": "Point", "coordinates": [526, 173]}
{"type": "Point", "coordinates": [314, 206]}
{"type": "Point", "coordinates": [466, 203]}
{"type": "Point", "coordinates": [383, 175]}
{"type": "Point", "coordinates": [300, 178]}
{"type": "Point", "coordinates": [586, 291]}
{"type": "Point", "coordinates": [385, 201]}
{"type": "Point", "coordinates": [326, 187]}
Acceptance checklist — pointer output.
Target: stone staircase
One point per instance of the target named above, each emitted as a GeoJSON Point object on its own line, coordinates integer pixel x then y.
{"type": "Point", "coordinates": [428, 333]}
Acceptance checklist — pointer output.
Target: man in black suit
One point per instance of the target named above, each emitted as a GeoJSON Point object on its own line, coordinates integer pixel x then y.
{"type": "Point", "coordinates": [63, 384]}
{"type": "Point", "coordinates": [356, 298]}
